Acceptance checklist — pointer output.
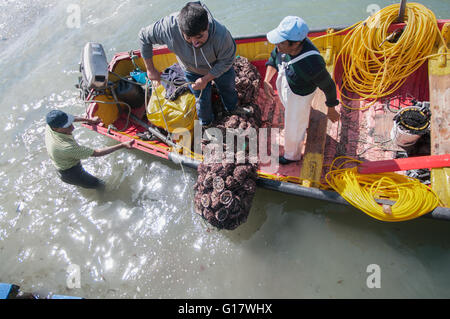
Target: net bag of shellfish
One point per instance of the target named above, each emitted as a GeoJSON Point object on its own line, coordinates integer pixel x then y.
{"type": "Point", "coordinates": [226, 182]}
{"type": "Point", "coordinates": [224, 193]}
{"type": "Point", "coordinates": [227, 178]}
{"type": "Point", "coordinates": [247, 80]}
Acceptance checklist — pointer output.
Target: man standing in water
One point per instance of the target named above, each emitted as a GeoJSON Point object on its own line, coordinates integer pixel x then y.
{"type": "Point", "coordinates": [205, 50]}
{"type": "Point", "coordinates": [66, 154]}
{"type": "Point", "coordinates": [301, 70]}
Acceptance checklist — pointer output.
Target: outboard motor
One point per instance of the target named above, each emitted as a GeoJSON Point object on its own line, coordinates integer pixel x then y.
{"type": "Point", "coordinates": [93, 68]}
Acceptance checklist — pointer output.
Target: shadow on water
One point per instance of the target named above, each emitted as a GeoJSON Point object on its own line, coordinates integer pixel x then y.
{"type": "Point", "coordinates": [121, 180]}
{"type": "Point", "coordinates": [409, 235]}
{"type": "Point", "coordinates": [412, 237]}
{"type": "Point", "coordinates": [256, 220]}
{"type": "Point", "coordinates": [406, 235]}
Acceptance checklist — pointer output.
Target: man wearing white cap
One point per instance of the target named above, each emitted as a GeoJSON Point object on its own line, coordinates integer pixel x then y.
{"type": "Point", "coordinates": [301, 70]}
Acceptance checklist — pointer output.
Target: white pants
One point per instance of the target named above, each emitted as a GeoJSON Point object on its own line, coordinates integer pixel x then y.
{"type": "Point", "coordinates": [296, 117]}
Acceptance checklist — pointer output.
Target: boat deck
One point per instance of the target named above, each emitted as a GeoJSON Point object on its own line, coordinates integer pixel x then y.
{"type": "Point", "coordinates": [363, 134]}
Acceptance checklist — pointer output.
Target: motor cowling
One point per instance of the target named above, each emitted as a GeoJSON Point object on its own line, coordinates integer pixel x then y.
{"type": "Point", "coordinates": [94, 67]}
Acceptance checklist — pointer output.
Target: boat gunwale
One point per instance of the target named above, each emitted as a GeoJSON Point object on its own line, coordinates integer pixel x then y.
{"type": "Point", "coordinates": [262, 37]}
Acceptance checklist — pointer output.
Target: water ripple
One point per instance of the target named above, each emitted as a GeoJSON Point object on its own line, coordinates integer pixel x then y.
{"type": "Point", "coordinates": [142, 238]}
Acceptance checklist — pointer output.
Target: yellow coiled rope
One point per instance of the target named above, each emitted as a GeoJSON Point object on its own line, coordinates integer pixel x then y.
{"type": "Point", "coordinates": [373, 67]}
{"type": "Point", "coordinates": [412, 198]}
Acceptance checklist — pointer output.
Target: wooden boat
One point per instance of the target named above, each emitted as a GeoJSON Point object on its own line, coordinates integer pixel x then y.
{"type": "Point", "coordinates": [362, 134]}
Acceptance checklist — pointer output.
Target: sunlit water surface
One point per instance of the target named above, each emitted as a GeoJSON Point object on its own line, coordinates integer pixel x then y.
{"type": "Point", "coordinates": [142, 239]}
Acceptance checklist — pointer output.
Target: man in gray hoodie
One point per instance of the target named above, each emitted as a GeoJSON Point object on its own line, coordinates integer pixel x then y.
{"type": "Point", "coordinates": [205, 50]}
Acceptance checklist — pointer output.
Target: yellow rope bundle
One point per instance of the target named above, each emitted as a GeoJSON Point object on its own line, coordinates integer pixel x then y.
{"type": "Point", "coordinates": [413, 199]}
{"type": "Point", "coordinates": [373, 67]}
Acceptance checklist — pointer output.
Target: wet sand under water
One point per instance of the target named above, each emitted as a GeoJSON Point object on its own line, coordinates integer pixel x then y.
{"type": "Point", "coordinates": [142, 239]}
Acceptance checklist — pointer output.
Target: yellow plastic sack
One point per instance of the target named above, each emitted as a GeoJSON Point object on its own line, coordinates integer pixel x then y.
{"type": "Point", "coordinates": [180, 113]}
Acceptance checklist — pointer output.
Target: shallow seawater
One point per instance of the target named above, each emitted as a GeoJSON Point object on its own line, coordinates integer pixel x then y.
{"type": "Point", "coordinates": [142, 239]}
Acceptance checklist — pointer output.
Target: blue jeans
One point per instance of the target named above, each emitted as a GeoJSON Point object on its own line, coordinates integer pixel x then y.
{"type": "Point", "coordinates": [227, 90]}
{"type": "Point", "coordinates": [79, 177]}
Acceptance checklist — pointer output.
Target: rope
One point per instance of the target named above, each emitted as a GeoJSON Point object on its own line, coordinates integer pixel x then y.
{"type": "Point", "coordinates": [412, 198]}
{"type": "Point", "coordinates": [133, 57]}
{"type": "Point", "coordinates": [147, 86]}
{"type": "Point", "coordinates": [375, 68]}
{"type": "Point", "coordinates": [292, 179]}
{"type": "Point", "coordinates": [186, 150]}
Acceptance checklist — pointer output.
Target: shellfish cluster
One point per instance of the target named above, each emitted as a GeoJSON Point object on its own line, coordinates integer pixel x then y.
{"type": "Point", "coordinates": [247, 80]}
{"type": "Point", "coordinates": [224, 193]}
{"type": "Point", "coordinates": [226, 183]}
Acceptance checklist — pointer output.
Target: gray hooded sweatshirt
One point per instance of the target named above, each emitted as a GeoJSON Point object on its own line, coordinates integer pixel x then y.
{"type": "Point", "coordinates": [216, 56]}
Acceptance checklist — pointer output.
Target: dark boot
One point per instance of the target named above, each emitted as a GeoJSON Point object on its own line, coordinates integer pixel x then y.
{"type": "Point", "coordinates": [284, 161]}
